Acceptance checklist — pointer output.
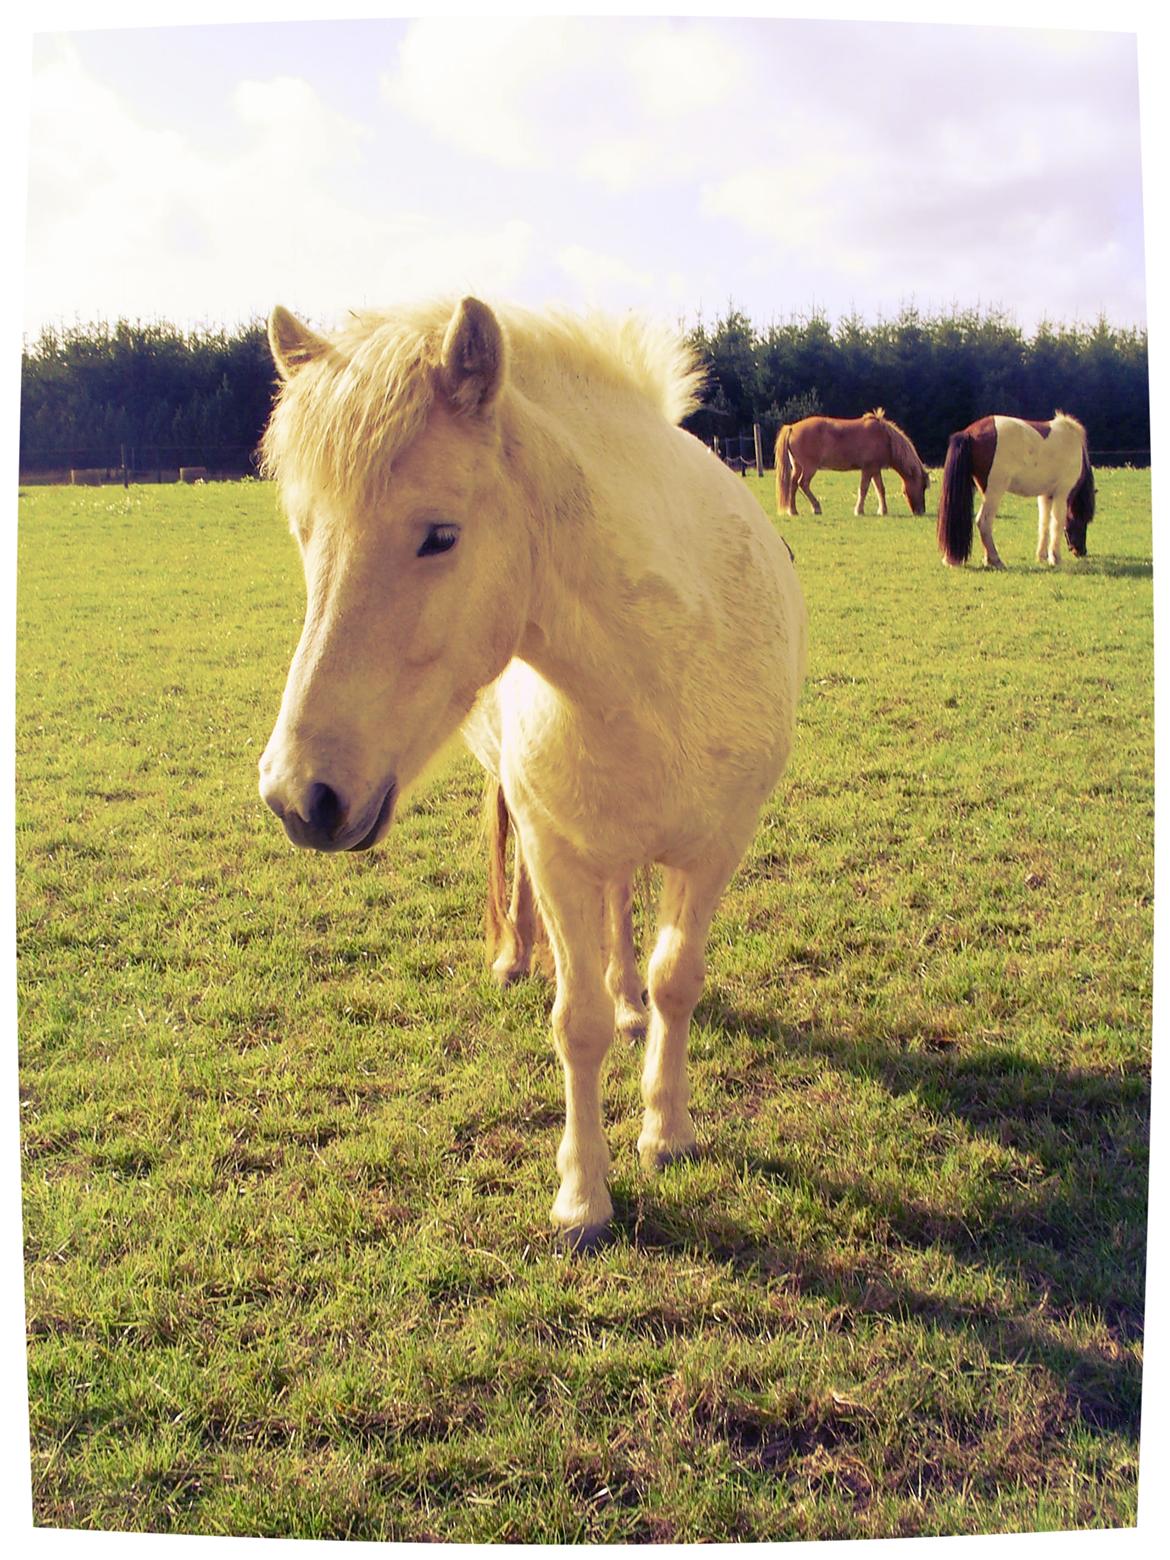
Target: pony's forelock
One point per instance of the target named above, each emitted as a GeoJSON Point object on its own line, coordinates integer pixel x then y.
{"type": "Point", "coordinates": [344, 416]}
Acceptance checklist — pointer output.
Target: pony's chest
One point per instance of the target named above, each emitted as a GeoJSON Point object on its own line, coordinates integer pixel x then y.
{"type": "Point", "coordinates": [604, 783]}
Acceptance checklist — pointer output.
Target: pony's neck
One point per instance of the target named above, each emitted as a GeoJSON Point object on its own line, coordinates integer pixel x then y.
{"type": "Point", "coordinates": [901, 459]}
{"type": "Point", "coordinates": [579, 634]}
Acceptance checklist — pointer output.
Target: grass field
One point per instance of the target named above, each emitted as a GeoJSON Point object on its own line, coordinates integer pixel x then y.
{"type": "Point", "coordinates": [288, 1153]}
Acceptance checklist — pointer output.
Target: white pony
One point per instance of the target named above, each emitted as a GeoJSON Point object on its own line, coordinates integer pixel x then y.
{"type": "Point", "coordinates": [1047, 461]}
{"type": "Point", "coordinates": [504, 530]}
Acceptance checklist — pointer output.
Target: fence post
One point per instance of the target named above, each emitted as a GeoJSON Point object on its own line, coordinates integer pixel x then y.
{"type": "Point", "coordinates": [125, 473]}
{"type": "Point", "coordinates": [759, 450]}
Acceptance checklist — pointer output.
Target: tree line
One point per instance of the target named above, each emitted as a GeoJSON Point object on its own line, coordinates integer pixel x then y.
{"type": "Point", "coordinates": [933, 374]}
{"type": "Point", "coordinates": [154, 394]}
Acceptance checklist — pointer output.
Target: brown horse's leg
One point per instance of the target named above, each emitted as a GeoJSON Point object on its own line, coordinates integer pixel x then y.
{"type": "Point", "coordinates": [881, 491]}
{"type": "Point", "coordinates": [863, 489]}
{"type": "Point", "coordinates": [806, 477]}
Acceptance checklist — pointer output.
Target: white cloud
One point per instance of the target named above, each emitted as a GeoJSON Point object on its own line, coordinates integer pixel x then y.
{"type": "Point", "coordinates": [127, 219]}
{"type": "Point", "coordinates": [681, 72]}
{"type": "Point", "coordinates": [790, 202]}
{"type": "Point", "coordinates": [602, 279]}
{"type": "Point", "coordinates": [294, 128]}
{"type": "Point", "coordinates": [627, 104]}
{"type": "Point", "coordinates": [471, 81]}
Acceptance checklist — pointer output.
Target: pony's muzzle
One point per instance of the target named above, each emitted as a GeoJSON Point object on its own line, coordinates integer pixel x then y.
{"type": "Point", "coordinates": [319, 819]}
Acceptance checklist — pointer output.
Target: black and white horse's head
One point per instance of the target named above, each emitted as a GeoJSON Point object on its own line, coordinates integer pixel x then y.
{"type": "Point", "coordinates": [1082, 503]}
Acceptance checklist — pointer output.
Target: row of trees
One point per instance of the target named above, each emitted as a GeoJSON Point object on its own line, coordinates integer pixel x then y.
{"type": "Point", "coordinates": [932, 374]}
{"type": "Point", "coordinates": [172, 397]}
{"type": "Point", "coordinates": [162, 395]}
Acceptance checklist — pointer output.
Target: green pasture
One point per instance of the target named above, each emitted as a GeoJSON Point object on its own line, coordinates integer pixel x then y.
{"type": "Point", "coordinates": [288, 1152]}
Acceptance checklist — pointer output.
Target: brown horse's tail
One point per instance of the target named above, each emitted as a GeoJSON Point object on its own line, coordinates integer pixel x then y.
{"type": "Point", "coordinates": [956, 504]}
{"type": "Point", "coordinates": [784, 471]}
{"type": "Point", "coordinates": [496, 823]}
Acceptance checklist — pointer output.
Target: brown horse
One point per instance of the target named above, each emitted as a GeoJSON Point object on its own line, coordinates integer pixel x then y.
{"type": "Point", "coordinates": [864, 444]}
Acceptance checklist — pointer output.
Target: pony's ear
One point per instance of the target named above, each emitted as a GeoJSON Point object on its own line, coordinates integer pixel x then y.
{"type": "Point", "coordinates": [293, 343]}
{"type": "Point", "coordinates": [472, 366]}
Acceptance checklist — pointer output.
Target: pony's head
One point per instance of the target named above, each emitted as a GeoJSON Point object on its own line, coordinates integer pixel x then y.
{"type": "Point", "coordinates": [906, 462]}
{"type": "Point", "coordinates": [914, 486]}
{"type": "Point", "coordinates": [387, 445]}
{"type": "Point", "coordinates": [1082, 504]}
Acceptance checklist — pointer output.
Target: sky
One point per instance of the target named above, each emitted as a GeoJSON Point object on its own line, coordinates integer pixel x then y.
{"type": "Point", "coordinates": [670, 165]}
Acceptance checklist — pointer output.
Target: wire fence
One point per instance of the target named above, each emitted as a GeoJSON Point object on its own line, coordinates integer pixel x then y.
{"type": "Point", "coordinates": [99, 465]}
{"type": "Point", "coordinates": [96, 465]}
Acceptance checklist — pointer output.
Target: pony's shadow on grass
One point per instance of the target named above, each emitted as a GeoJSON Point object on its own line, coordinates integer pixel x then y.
{"type": "Point", "coordinates": [1105, 1384]}
{"type": "Point", "coordinates": [1070, 1238]}
{"type": "Point", "coordinates": [1116, 567]}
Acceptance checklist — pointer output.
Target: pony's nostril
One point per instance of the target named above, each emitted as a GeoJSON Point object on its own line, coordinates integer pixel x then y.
{"type": "Point", "coordinates": [324, 810]}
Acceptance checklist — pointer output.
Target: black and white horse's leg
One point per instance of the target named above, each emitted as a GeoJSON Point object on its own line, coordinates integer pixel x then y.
{"type": "Point", "coordinates": [1052, 511]}
{"type": "Point", "coordinates": [983, 520]}
{"type": "Point", "coordinates": [621, 972]}
{"type": "Point", "coordinates": [676, 973]}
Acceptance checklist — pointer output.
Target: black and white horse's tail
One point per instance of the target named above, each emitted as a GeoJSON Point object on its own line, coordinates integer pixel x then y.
{"type": "Point", "coordinates": [956, 504]}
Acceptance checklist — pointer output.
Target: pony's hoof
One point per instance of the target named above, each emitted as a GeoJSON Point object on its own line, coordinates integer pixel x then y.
{"type": "Point", "coordinates": [631, 1021]}
{"type": "Point", "coordinates": [581, 1240]}
{"type": "Point", "coordinates": [507, 974]}
{"type": "Point", "coordinates": [579, 1215]}
{"type": "Point", "coordinates": [995, 563]}
{"type": "Point", "coordinates": [656, 1156]}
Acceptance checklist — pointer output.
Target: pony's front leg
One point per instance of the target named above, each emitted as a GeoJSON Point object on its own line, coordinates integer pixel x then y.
{"type": "Point", "coordinates": [881, 492]}
{"type": "Point", "coordinates": [862, 490]}
{"type": "Point", "coordinates": [571, 902]}
{"type": "Point", "coordinates": [621, 973]}
{"type": "Point", "coordinates": [1048, 539]}
{"type": "Point", "coordinates": [677, 969]}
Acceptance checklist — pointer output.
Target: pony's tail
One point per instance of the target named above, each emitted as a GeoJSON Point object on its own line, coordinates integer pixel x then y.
{"type": "Point", "coordinates": [784, 472]}
{"type": "Point", "coordinates": [496, 824]}
{"type": "Point", "coordinates": [956, 504]}
{"type": "Point", "coordinates": [1082, 501]}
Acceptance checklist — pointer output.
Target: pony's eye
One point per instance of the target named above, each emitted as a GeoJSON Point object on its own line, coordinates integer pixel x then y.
{"type": "Point", "coordinates": [439, 539]}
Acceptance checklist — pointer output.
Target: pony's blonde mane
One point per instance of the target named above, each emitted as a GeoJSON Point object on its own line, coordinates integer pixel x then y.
{"type": "Point", "coordinates": [901, 445]}
{"type": "Point", "coordinates": [344, 416]}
